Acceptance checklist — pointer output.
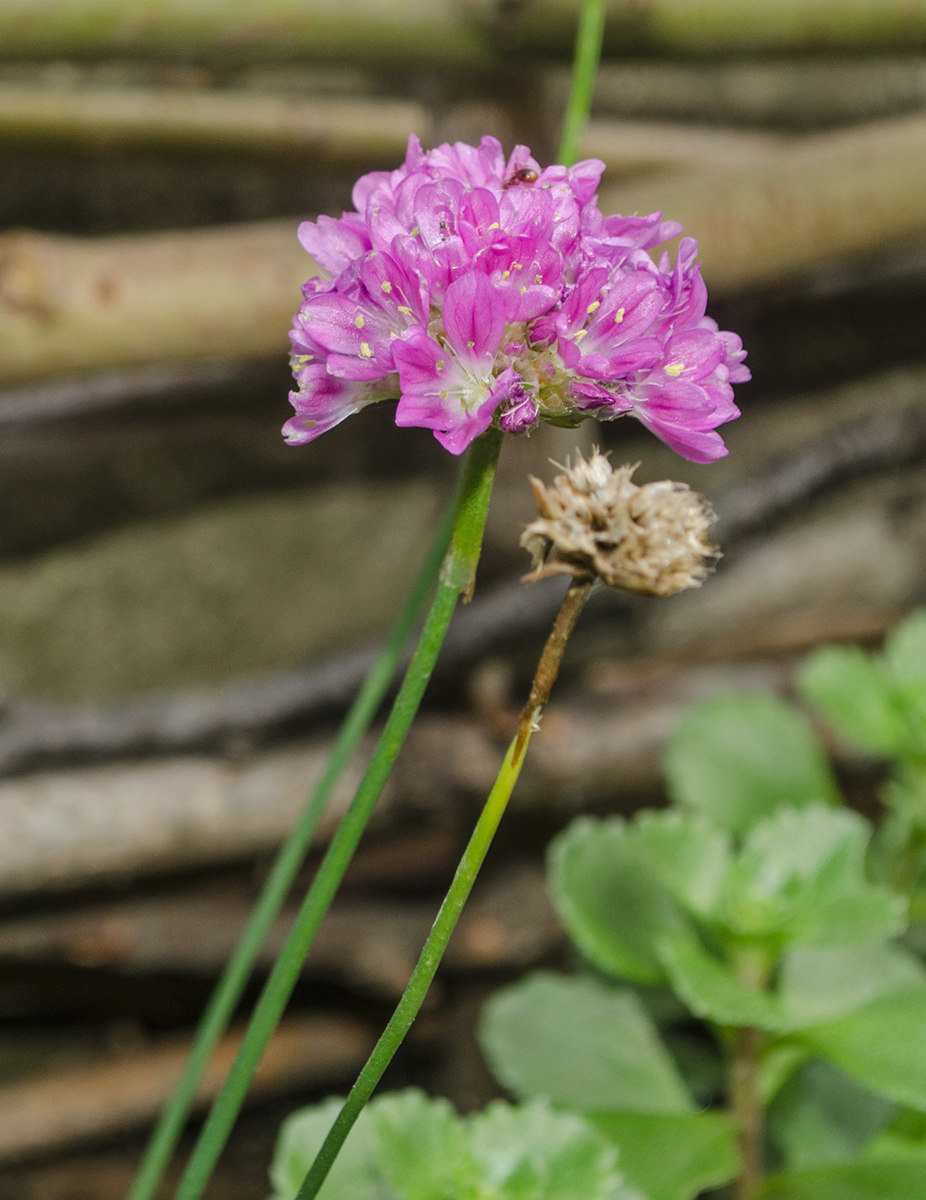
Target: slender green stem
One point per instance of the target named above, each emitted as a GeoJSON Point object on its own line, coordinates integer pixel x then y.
{"type": "Point", "coordinates": [589, 37]}
{"type": "Point", "coordinates": [457, 576]}
{"type": "Point", "coordinates": [231, 985]}
{"type": "Point", "coordinates": [473, 858]}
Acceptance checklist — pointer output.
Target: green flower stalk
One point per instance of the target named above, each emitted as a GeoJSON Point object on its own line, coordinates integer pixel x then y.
{"type": "Point", "coordinates": [457, 895]}
{"type": "Point", "coordinates": [338, 390]}
{"type": "Point", "coordinates": [586, 496]}
{"type": "Point", "coordinates": [457, 577]}
{"type": "Point", "coordinates": [231, 985]}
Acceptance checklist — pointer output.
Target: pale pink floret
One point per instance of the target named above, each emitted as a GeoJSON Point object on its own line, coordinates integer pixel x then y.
{"type": "Point", "coordinates": [478, 289]}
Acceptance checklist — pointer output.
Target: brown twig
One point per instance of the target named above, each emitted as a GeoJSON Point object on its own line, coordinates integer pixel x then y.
{"type": "Point", "coordinates": [550, 660]}
{"type": "Point", "coordinates": [747, 1110]}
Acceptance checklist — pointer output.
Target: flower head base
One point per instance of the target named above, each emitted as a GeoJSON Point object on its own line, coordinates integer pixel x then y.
{"type": "Point", "coordinates": [595, 522]}
{"type": "Point", "coordinates": [481, 291]}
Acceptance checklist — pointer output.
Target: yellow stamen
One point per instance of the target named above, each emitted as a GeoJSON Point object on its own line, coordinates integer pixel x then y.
{"type": "Point", "coordinates": [594, 304]}
{"type": "Point", "coordinates": [358, 321]}
{"type": "Point", "coordinates": [365, 350]}
{"type": "Point", "coordinates": [386, 286]}
{"type": "Point", "coordinates": [674, 368]}
{"type": "Point", "coordinates": [619, 316]}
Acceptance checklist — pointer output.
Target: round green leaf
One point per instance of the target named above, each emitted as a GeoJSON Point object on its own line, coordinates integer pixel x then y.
{"type": "Point", "coordinates": [738, 758]}
{"type": "Point", "coordinates": [610, 899]}
{"type": "Point", "coordinates": [672, 1157]}
{"type": "Point", "coordinates": [882, 1045]}
{"type": "Point", "coordinates": [582, 1045]}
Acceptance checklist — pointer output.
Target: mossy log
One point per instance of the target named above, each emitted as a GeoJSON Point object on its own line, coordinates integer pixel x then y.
{"type": "Point", "coordinates": [246, 121]}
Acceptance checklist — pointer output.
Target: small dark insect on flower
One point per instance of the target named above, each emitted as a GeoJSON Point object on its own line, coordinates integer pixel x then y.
{"type": "Point", "coordinates": [522, 175]}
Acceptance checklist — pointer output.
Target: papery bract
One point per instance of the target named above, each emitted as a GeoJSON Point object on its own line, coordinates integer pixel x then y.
{"type": "Point", "coordinates": [477, 289]}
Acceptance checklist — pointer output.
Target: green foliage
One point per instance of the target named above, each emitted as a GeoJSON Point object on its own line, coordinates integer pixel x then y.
{"type": "Point", "coordinates": [882, 1045]}
{"type": "Point", "coordinates": [737, 759]}
{"type": "Point", "coordinates": [824, 983]}
{"type": "Point", "coordinates": [580, 1044]}
{"type": "Point", "coordinates": [821, 1117]}
{"type": "Point", "coordinates": [876, 701]}
{"type": "Point", "coordinates": [709, 987]}
{"type": "Point", "coordinates": [800, 879]}
{"type": "Point", "coordinates": [855, 693]}
{"type": "Point", "coordinates": [610, 900]}
{"type": "Point", "coordinates": [406, 1146]}
{"type": "Point", "coordinates": [672, 1157]}
{"type": "Point", "coordinates": [751, 899]}
{"type": "Point", "coordinates": [354, 1175]}
{"type": "Point", "coordinates": [903, 1139]}
{"type": "Point", "coordinates": [850, 1181]}
{"type": "Point", "coordinates": [756, 919]}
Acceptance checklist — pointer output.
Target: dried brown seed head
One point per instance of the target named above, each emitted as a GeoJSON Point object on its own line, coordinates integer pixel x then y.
{"type": "Point", "coordinates": [594, 521]}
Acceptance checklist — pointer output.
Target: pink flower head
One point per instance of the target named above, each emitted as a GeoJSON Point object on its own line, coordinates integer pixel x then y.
{"type": "Point", "coordinates": [481, 290]}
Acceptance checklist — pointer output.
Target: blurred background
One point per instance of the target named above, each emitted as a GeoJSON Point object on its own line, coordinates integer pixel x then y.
{"type": "Point", "coordinates": [187, 604]}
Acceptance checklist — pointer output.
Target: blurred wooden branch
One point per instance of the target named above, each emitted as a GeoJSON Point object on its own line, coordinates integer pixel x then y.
{"type": "Point", "coordinates": [797, 93]}
{"type": "Point", "coordinates": [112, 1095]}
{"type": "Point", "coordinates": [846, 446]}
{"type": "Point", "coordinates": [243, 120]}
{"type": "Point", "coordinates": [77, 304]}
{"type": "Point", "coordinates": [69, 305]}
{"type": "Point", "coordinates": [826, 197]}
{"type": "Point", "coordinates": [79, 827]}
{"type": "Point", "coordinates": [382, 31]}
{"type": "Point", "coordinates": [446, 31]}
{"type": "Point", "coordinates": [655, 147]}
{"type": "Point", "coordinates": [161, 383]}
{"type": "Point", "coordinates": [715, 27]}
{"type": "Point", "coordinates": [371, 943]}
